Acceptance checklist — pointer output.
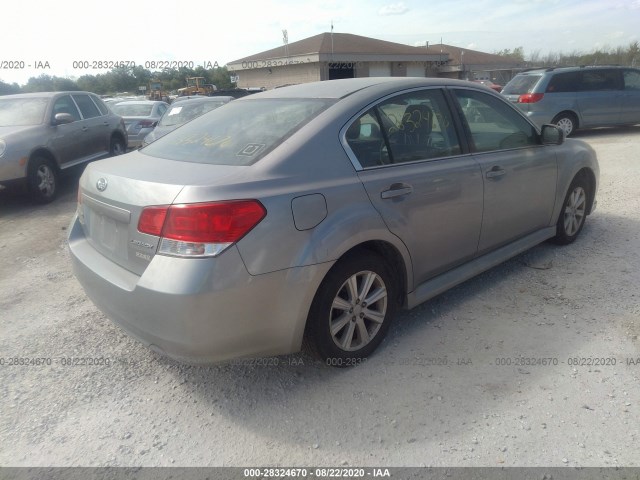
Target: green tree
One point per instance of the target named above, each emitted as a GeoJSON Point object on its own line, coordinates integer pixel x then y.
{"type": "Point", "coordinates": [9, 89]}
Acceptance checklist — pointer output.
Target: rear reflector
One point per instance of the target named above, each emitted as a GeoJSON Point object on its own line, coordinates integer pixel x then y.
{"type": "Point", "coordinates": [530, 97]}
{"type": "Point", "coordinates": [201, 229]}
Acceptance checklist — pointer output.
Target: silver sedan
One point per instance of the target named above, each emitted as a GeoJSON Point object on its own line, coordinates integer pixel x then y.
{"type": "Point", "coordinates": [140, 118]}
{"type": "Point", "coordinates": [315, 211]}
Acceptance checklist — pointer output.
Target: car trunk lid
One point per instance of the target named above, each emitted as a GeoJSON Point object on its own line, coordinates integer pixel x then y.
{"type": "Point", "coordinates": [114, 192]}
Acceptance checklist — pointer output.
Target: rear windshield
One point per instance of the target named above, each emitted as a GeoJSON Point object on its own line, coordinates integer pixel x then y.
{"type": "Point", "coordinates": [184, 111]}
{"type": "Point", "coordinates": [241, 133]}
{"type": "Point", "coordinates": [521, 84]}
{"type": "Point", "coordinates": [20, 112]}
{"type": "Point", "coordinates": [132, 110]}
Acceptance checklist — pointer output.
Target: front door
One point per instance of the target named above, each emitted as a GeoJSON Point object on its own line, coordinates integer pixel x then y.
{"type": "Point", "coordinates": [519, 173]}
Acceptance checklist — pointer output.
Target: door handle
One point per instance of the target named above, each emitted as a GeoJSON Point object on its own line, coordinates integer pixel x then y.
{"type": "Point", "coordinates": [496, 172]}
{"type": "Point", "coordinates": [397, 190]}
{"type": "Point", "coordinates": [84, 129]}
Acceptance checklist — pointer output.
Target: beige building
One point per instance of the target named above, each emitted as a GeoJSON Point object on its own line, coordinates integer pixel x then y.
{"type": "Point", "coordinates": [329, 56]}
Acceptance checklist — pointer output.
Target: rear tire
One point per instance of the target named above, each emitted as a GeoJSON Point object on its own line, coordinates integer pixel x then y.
{"type": "Point", "coordinates": [352, 310]}
{"type": "Point", "coordinates": [117, 147]}
{"type": "Point", "coordinates": [42, 180]}
{"type": "Point", "coordinates": [567, 122]}
{"type": "Point", "coordinates": [574, 212]}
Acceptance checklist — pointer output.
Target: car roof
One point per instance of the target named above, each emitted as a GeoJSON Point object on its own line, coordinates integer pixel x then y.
{"type": "Point", "coordinates": [43, 94]}
{"type": "Point", "coordinates": [345, 87]}
{"type": "Point", "coordinates": [542, 70]}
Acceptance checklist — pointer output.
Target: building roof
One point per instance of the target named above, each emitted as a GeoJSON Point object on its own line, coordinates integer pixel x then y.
{"type": "Point", "coordinates": [464, 56]}
{"type": "Point", "coordinates": [339, 43]}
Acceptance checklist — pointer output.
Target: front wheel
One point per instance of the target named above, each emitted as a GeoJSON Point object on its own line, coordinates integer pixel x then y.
{"type": "Point", "coordinates": [574, 212]}
{"type": "Point", "coordinates": [42, 180]}
{"type": "Point", "coordinates": [352, 310]}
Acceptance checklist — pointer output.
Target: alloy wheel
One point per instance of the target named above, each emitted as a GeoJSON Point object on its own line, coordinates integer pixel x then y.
{"type": "Point", "coordinates": [574, 211]}
{"type": "Point", "coordinates": [358, 311]}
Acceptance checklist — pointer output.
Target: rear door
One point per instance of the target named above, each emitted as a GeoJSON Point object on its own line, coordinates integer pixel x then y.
{"type": "Point", "coordinates": [519, 174]}
{"type": "Point", "coordinates": [96, 126]}
{"type": "Point", "coordinates": [430, 195]}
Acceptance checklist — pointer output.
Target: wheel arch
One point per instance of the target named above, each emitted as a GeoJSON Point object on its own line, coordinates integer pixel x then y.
{"type": "Point", "coordinates": [43, 152]}
{"type": "Point", "coordinates": [393, 258]}
{"type": "Point", "coordinates": [590, 178]}
{"type": "Point", "coordinates": [571, 113]}
{"type": "Point", "coordinates": [119, 135]}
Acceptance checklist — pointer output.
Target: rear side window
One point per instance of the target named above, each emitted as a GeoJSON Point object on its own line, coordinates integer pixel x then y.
{"type": "Point", "coordinates": [406, 128]}
{"type": "Point", "coordinates": [521, 84]}
{"type": "Point", "coordinates": [564, 82]}
{"type": "Point", "coordinates": [86, 105]}
{"type": "Point", "coordinates": [599, 80]}
{"type": "Point", "coordinates": [101, 106]}
{"type": "Point", "coordinates": [241, 133]}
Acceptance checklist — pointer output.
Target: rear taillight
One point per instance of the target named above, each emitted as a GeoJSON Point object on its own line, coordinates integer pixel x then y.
{"type": "Point", "coordinates": [530, 97]}
{"type": "Point", "coordinates": [147, 123]}
{"type": "Point", "coordinates": [200, 229]}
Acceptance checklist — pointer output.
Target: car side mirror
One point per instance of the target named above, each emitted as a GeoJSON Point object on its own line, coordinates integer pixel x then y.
{"type": "Point", "coordinates": [552, 135]}
{"type": "Point", "coordinates": [61, 118]}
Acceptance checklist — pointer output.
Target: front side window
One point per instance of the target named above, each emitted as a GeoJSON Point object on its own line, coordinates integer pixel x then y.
{"type": "Point", "coordinates": [406, 128]}
{"type": "Point", "coordinates": [65, 105]}
{"type": "Point", "coordinates": [493, 124]}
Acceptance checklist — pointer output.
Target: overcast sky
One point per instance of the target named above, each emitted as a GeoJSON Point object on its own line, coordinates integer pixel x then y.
{"type": "Point", "coordinates": [142, 31]}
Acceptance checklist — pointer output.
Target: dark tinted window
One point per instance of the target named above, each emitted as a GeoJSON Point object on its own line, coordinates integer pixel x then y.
{"type": "Point", "coordinates": [66, 105]}
{"type": "Point", "coordinates": [101, 106]}
{"type": "Point", "coordinates": [493, 124]}
{"type": "Point", "coordinates": [598, 80]}
{"type": "Point", "coordinates": [241, 133]}
{"type": "Point", "coordinates": [521, 84]}
{"type": "Point", "coordinates": [86, 105]}
{"type": "Point", "coordinates": [564, 82]}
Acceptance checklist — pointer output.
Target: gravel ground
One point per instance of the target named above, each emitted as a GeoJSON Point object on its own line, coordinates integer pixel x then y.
{"type": "Point", "coordinates": [434, 393]}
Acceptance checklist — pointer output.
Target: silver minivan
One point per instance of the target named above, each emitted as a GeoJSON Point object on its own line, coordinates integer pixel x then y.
{"type": "Point", "coordinates": [578, 97]}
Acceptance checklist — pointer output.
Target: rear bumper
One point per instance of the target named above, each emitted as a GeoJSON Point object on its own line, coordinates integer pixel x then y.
{"type": "Point", "coordinates": [135, 140]}
{"type": "Point", "coordinates": [200, 310]}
